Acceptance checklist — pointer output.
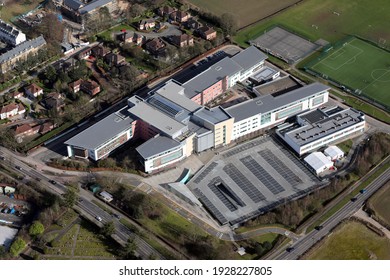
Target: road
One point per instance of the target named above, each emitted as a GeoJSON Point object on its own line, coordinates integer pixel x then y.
{"type": "Point", "coordinates": [303, 244]}
{"type": "Point", "coordinates": [88, 208]}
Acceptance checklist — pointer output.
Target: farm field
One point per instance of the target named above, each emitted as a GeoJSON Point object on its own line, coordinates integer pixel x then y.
{"type": "Point", "coordinates": [252, 11]}
{"type": "Point", "coordinates": [13, 8]}
{"type": "Point", "coordinates": [331, 20]}
{"type": "Point", "coordinates": [381, 203]}
{"type": "Point", "coordinates": [359, 66]}
{"type": "Point", "coordinates": [352, 241]}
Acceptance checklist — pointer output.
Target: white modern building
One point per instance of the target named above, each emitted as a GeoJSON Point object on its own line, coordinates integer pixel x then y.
{"type": "Point", "coordinates": [272, 109]}
{"type": "Point", "coordinates": [334, 153]}
{"type": "Point", "coordinates": [318, 162]}
{"type": "Point", "coordinates": [10, 34]}
{"type": "Point", "coordinates": [320, 127]}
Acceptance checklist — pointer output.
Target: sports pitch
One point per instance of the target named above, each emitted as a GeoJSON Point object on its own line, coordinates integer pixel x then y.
{"type": "Point", "coordinates": [359, 66]}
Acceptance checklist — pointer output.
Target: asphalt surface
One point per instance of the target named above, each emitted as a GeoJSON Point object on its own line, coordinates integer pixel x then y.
{"type": "Point", "coordinates": [303, 244]}
{"type": "Point", "coordinates": [144, 250]}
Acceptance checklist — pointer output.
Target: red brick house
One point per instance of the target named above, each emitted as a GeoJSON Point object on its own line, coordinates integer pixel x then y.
{"type": "Point", "coordinates": [146, 24]}
{"type": "Point", "coordinates": [26, 130]}
{"type": "Point", "coordinates": [166, 11]}
{"type": "Point", "coordinates": [180, 16]}
{"type": "Point", "coordinates": [33, 90]}
{"type": "Point", "coordinates": [155, 46]}
{"type": "Point", "coordinates": [90, 87]}
{"type": "Point", "coordinates": [207, 33]}
{"type": "Point", "coordinates": [114, 59]}
{"type": "Point", "coordinates": [99, 51]}
{"type": "Point", "coordinates": [183, 40]}
{"type": "Point", "coordinates": [75, 86]}
{"type": "Point", "coordinates": [11, 110]}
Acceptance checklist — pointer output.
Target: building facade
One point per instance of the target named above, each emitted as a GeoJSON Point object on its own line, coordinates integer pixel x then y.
{"type": "Point", "coordinates": [10, 34]}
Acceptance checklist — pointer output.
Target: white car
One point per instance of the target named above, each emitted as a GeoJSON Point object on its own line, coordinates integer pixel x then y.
{"type": "Point", "coordinates": [98, 218]}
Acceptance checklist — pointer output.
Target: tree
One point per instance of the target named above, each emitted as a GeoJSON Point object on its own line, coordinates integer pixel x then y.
{"type": "Point", "coordinates": [259, 249]}
{"type": "Point", "coordinates": [70, 198]}
{"type": "Point", "coordinates": [17, 246]}
{"type": "Point", "coordinates": [128, 252]}
{"type": "Point", "coordinates": [36, 229]}
{"type": "Point", "coordinates": [108, 229]}
{"type": "Point", "coordinates": [228, 23]}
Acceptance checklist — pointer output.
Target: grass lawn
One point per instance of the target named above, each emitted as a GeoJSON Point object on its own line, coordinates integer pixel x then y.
{"type": "Point", "coordinates": [270, 237]}
{"type": "Point", "coordinates": [352, 241]}
{"type": "Point", "coordinates": [360, 66]}
{"type": "Point", "coordinates": [364, 107]}
{"type": "Point", "coordinates": [366, 18]}
{"type": "Point", "coordinates": [17, 7]}
{"type": "Point", "coordinates": [345, 146]}
{"type": "Point", "coordinates": [252, 11]}
{"type": "Point", "coordinates": [381, 203]}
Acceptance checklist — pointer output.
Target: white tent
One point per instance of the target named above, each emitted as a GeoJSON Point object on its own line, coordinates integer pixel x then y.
{"type": "Point", "coordinates": [334, 152]}
{"type": "Point", "coordinates": [318, 162]}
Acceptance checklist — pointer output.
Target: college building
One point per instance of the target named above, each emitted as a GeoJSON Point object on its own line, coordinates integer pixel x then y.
{"type": "Point", "coordinates": [20, 53]}
{"type": "Point", "coordinates": [174, 123]}
{"type": "Point", "coordinates": [10, 34]}
{"type": "Point", "coordinates": [79, 11]}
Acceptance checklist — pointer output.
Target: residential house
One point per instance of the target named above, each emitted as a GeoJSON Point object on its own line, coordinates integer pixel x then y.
{"type": "Point", "coordinates": [11, 110]}
{"type": "Point", "coordinates": [99, 51]}
{"type": "Point", "coordinates": [90, 87]}
{"type": "Point", "coordinates": [113, 59]}
{"type": "Point", "coordinates": [126, 36]}
{"type": "Point", "coordinates": [165, 11]}
{"type": "Point", "coordinates": [192, 24]}
{"type": "Point", "coordinates": [207, 33]}
{"type": "Point", "coordinates": [26, 130]}
{"type": "Point", "coordinates": [183, 40]}
{"type": "Point", "coordinates": [54, 100]}
{"type": "Point", "coordinates": [180, 16]}
{"type": "Point", "coordinates": [75, 86]}
{"type": "Point", "coordinates": [155, 46]}
{"type": "Point", "coordinates": [138, 39]}
{"type": "Point", "coordinates": [84, 54]}
{"type": "Point", "coordinates": [46, 127]}
{"type": "Point", "coordinates": [17, 95]}
{"type": "Point", "coordinates": [33, 90]}
{"type": "Point", "coordinates": [146, 24]}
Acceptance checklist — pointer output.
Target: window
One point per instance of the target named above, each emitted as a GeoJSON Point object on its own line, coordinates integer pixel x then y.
{"type": "Point", "coordinates": [289, 112]}
{"type": "Point", "coordinates": [266, 118]}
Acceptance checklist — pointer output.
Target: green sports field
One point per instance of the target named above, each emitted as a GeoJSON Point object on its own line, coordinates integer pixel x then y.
{"type": "Point", "coordinates": [360, 66]}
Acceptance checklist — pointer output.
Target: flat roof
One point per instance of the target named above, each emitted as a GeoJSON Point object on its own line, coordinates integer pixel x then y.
{"type": "Point", "coordinates": [284, 84]}
{"type": "Point", "coordinates": [311, 132]}
{"type": "Point", "coordinates": [174, 92]}
{"type": "Point", "coordinates": [267, 103]}
{"type": "Point", "coordinates": [223, 68]}
{"type": "Point", "coordinates": [156, 118]}
{"type": "Point", "coordinates": [249, 57]}
{"type": "Point", "coordinates": [318, 161]}
{"type": "Point", "coordinates": [102, 131]}
{"type": "Point", "coordinates": [264, 73]}
{"type": "Point", "coordinates": [214, 115]}
{"type": "Point", "coordinates": [156, 146]}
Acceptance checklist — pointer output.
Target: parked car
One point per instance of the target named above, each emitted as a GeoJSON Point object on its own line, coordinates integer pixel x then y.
{"type": "Point", "coordinates": [98, 218]}
{"type": "Point", "coordinates": [353, 199]}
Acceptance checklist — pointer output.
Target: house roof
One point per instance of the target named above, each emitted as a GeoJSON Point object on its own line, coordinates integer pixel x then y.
{"type": "Point", "coordinates": [318, 161]}
{"type": "Point", "coordinates": [206, 30]}
{"type": "Point", "coordinates": [22, 47]}
{"type": "Point", "coordinates": [267, 103]}
{"type": "Point", "coordinates": [90, 85]}
{"type": "Point", "coordinates": [155, 44]}
{"type": "Point", "coordinates": [22, 129]}
{"type": "Point", "coordinates": [156, 146]}
{"type": "Point", "coordinates": [33, 88]}
{"type": "Point", "coordinates": [73, 4]}
{"type": "Point", "coordinates": [46, 127]}
{"type": "Point", "coordinates": [246, 57]}
{"type": "Point", "coordinates": [8, 108]}
{"type": "Point", "coordinates": [102, 131]}
{"type": "Point", "coordinates": [75, 83]}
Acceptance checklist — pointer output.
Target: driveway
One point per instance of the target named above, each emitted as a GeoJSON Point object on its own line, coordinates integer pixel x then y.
{"type": "Point", "coordinates": [170, 31]}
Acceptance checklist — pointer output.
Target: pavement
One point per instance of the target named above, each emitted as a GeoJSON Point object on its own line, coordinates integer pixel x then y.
{"type": "Point", "coordinates": [361, 214]}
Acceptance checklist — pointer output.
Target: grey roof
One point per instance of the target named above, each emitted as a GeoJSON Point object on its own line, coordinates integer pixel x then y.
{"type": "Point", "coordinates": [213, 116]}
{"type": "Point", "coordinates": [93, 5]}
{"type": "Point", "coordinates": [323, 127]}
{"type": "Point", "coordinates": [249, 57]}
{"type": "Point", "coordinates": [218, 71]}
{"type": "Point", "coordinates": [22, 47]}
{"type": "Point", "coordinates": [174, 92]}
{"type": "Point", "coordinates": [156, 146]}
{"type": "Point", "coordinates": [73, 4]}
{"type": "Point", "coordinates": [267, 103]}
{"type": "Point", "coordinates": [102, 131]}
{"type": "Point", "coordinates": [199, 130]}
{"type": "Point", "coordinates": [156, 118]}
